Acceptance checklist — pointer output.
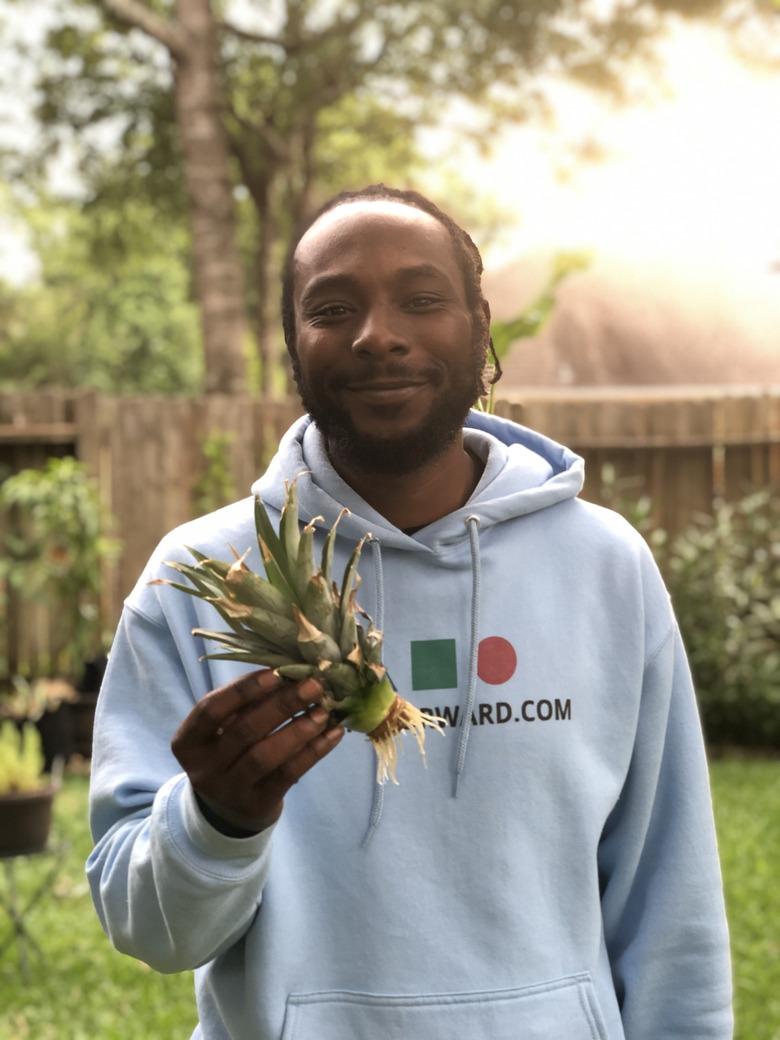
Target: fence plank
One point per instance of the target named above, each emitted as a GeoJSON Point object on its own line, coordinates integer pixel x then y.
{"type": "Point", "coordinates": [682, 445]}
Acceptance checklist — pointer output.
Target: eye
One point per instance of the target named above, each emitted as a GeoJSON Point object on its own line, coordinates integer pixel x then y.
{"type": "Point", "coordinates": [329, 311]}
{"type": "Point", "coordinates": [422, 301]}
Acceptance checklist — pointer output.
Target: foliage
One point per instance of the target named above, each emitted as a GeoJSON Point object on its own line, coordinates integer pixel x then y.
{"type": "Point", "coordinates": [723, 573]}
{"type": "Point", "coordinates": [21, 758]}
{"type": "Point", "coordinates": [531, 320]}
{"type": "Point", "coordinates": [134, 1003]}
{"type": "Point", "coordinates": [624, 495]}
{"type": "Point", "coordinates": [55, 543]}
{"type": "Point", "coordinates": [215, 487]}
{"type": "Point", "coordinates": [62, 1000]}
{"type": "Point", "coordinates": [316, 97]}
{"type": "Point", "coordinates": [111, 307]}
{"type": "Point", "coordinates": [31, 699]}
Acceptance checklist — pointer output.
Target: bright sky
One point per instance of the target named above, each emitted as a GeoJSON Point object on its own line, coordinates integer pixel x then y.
{"type": "Point", "coordinates": [689, 175]}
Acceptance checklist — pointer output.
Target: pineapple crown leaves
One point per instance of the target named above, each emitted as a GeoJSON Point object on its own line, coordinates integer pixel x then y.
{"type": "Point", "coordinates": [296, 619]}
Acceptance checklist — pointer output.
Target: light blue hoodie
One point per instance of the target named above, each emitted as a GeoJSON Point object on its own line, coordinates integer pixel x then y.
{"type": "Point", "coordinates": [552, 873]}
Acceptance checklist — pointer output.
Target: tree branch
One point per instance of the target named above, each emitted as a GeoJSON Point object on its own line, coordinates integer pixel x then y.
{"type": "Point", "coordinates": [341, 27]}
{"type": "Point", "coordinates": [252, 37]}
{"type": "Point", "coordinates": [273, 140]}
{"type": "Point", "coordinates": [138, 15]}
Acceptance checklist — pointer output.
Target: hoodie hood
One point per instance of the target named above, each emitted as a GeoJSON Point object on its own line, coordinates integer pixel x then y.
{"type": "Point", "coordinates": [524, 472]}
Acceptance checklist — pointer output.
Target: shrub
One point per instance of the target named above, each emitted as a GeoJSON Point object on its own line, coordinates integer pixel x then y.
{"type": "Point", "coordinates": [723, 574]}
{"type": "Point", "coordinates": [54, 541]}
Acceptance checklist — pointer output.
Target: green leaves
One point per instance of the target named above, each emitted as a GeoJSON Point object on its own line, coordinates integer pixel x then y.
{"type": "Point", "coordinates": [295, 618]}
{"type": "Point", "coordinates": [723, 573]}
{"type": "Point", "coordinates": [21, 758]}
{"type": "Point", "coordinates": [55, 541]}
{"type": "Point", "coordinates": [530, 321]}
{"type": "Point", "coordinates": [111, 306]}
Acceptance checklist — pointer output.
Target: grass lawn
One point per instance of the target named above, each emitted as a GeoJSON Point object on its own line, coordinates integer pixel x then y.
{"type": "Point", "coordinates": [86, 991]}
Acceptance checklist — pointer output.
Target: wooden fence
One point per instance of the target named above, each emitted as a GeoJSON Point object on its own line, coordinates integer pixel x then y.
{"type": "Point", "coordinates": [684, 445]}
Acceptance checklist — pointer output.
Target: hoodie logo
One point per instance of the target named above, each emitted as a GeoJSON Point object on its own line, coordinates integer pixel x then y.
{"type": "Point", "coordinates": [496, 660]}
{"type": "Point", "coordinates": [434, 662]}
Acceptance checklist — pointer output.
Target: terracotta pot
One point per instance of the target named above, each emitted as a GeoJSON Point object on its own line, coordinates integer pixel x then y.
{"type": "Point", "coordinates": [25, 820]}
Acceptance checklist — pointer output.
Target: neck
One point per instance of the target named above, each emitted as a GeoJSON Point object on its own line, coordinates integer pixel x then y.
{"type": "Point", "coordinates": [421, 496]}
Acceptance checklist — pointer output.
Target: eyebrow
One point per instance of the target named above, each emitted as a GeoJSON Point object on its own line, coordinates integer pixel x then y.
{"type": "Point", "coordinates": [324, 282]}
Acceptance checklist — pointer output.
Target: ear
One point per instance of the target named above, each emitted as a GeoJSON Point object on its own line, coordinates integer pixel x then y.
{"type": "Point", "coordinates": [486, 308]}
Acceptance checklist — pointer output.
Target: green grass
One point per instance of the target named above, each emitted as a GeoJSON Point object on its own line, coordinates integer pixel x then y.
{"type": "Point", "coordinates": [85, 990]}
{"type": "Point", "coordinates": [746, 794]}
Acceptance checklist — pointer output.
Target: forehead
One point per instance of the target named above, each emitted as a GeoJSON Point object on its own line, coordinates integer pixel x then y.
{"type": "Point", "coordinates": [381, 231]}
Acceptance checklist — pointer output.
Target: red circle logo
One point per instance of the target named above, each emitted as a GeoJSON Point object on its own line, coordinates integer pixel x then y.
{"type": "Point", "coordinates": [496, 660]}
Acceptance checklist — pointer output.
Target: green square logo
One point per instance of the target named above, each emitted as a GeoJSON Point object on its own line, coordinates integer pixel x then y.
{"type": "Point", "coordinates": [434, 666]}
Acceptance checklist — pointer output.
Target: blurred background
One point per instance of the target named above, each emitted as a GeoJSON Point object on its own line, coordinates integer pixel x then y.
{"type": "Point", "coordinates": [616, 161]}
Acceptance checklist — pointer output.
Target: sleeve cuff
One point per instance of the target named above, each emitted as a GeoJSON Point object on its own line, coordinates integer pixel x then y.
{"type": "Point", "coordinates": [203, 844]}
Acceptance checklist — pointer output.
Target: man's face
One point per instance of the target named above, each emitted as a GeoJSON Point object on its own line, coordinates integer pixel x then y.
{"type": "Point", "coordinates": [390, 356]}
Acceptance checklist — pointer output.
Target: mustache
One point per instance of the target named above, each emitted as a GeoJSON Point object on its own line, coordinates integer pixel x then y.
{"type": "Point", "coordinates": [391, 371]}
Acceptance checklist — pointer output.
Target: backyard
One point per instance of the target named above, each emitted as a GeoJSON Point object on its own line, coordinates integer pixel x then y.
{"type": "Point", "coordinates": [83, 989]}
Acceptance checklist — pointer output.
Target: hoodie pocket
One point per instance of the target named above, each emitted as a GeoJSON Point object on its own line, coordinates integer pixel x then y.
{"type": "Point", "coordinates": [563, 1009]}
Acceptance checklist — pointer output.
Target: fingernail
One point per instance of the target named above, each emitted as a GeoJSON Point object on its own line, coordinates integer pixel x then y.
{"type": "Point", "coordinates": [318, 715]}
{"type": "Point", "coordinates": [268, 680]}
{"type": "Point", "coordinates": [310, 690]}
{"type": "Point", "coordinates": [334, 735]}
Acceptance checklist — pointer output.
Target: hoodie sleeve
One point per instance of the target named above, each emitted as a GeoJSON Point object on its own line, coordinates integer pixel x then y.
{"type": "Point", "coordinates": [169, 889]}
{"type": "Point", "coordinates": [664, 917]}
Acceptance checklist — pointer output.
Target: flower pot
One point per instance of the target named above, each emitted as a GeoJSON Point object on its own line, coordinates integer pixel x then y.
{"type": "Point", "coordinates": [56, 730]}
{"type": "Point", "coordinates": [25, 820]}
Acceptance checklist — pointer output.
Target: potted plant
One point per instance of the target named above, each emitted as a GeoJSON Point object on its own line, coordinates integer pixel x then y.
{"type": "Point", "coordinates": [26, 792]}
{"type": "Point", "coordinates": [55, 535]}
{"type": "Point", "coordinates": [46, 703]}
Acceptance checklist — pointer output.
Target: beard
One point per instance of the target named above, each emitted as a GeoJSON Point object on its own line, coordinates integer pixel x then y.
{"type": "Point", "coordinates": [405, 452]}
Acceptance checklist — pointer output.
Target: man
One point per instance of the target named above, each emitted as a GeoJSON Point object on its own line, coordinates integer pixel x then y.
{"type": "Point", "coordinates": [553, 872]}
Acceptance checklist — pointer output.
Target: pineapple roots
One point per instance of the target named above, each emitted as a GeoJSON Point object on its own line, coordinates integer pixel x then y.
{"type": "Point", "coordinates": [401, 716]}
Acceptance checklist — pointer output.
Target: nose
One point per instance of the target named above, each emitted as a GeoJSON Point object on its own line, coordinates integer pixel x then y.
{"type": "Point", "coordinates": [381, 333]}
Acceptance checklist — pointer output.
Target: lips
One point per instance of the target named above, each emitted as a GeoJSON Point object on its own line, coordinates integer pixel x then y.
{"type": "Point", "coordinates": [381, 393]}
{"type": "Point", "coordinates": [378, 386]}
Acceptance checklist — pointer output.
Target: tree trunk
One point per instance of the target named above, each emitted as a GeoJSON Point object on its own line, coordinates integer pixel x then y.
{"type": "Point", "coordinates": [219, 279]}
{"type": "Point", "coordinates": [266, 238]}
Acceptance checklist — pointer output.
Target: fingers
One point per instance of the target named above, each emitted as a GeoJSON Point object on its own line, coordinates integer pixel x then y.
{"type": "Point", "coordinates": [244, 745]}
{"type": "Point", "coordinates": [259, 758]}
{"type": "Point", "coordinates": [290, 772]}
{"type": "Point", "coordinates": [248, 729]}
{"type": "Point", "coordinates": [211, 715]}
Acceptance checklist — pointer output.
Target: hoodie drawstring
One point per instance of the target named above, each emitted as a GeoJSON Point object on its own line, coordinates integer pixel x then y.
{"type": "Point", "coordinates": [377, 800]}
{"type": "Point", "coordinates": [472, 523]}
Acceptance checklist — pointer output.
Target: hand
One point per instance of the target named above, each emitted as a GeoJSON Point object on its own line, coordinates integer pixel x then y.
{"type": "Point", "coordinates": [245, 744]}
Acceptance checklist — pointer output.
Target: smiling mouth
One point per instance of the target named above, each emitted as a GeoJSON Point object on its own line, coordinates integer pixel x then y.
{"type": "Point", "coordinates": [389, 391]}
{"type": "Point", "coordinates": [383, 386]}
{"type": "Point", "coordinates": [390, 394]}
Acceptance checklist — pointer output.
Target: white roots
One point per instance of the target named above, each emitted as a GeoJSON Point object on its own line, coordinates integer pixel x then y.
{"type": "Point", "coordinates": [401, 717]}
